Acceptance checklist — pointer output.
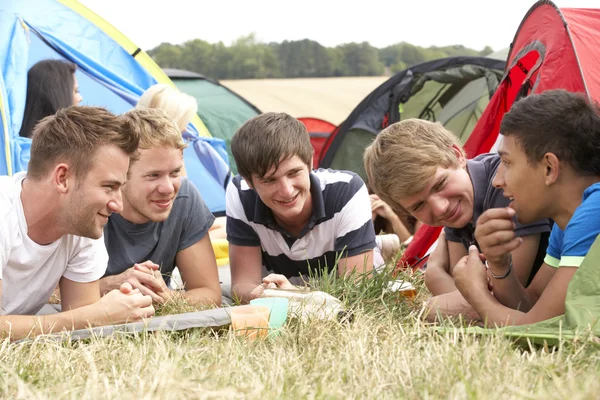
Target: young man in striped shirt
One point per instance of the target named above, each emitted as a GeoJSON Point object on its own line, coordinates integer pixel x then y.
{"type": "Point", "coordinates": [287, 218]}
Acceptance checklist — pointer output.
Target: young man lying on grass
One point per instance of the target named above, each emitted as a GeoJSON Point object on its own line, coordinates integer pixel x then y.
{"type": "Point", "coordinates": [419, 166]}
{"type": "Point", "coordinates": [287, 218]}
{"type": "Point", "coordinates": [51, 222]}
{"type": "Point", "coordinates": [550, 169]}
{"type": "Point", "coordinates": [164, 222]}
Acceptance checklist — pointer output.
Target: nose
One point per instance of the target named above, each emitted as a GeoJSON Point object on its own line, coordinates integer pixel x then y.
{"type": "Point", "coordinates": [286, 187]}
{"type": "Point", "coordinates": [498, 181]}
{"type": "Point", "coordinates": [166, 186]}
{"type": "Point", "coordinates": [439, 205]}
{"type": "Point", "coordinates": [116, 204]}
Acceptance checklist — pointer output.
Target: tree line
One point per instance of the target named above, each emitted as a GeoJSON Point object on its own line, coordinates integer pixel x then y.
{"type": "Point", "coordinates": [248, 58]}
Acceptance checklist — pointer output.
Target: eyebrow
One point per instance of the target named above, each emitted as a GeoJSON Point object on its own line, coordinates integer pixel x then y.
{"type": "Point", "coordinates": [502, 153]}
{"type": "Point", "coordinates": [112, 183]}
{"type": "Point", "coordinates": [433, 188]}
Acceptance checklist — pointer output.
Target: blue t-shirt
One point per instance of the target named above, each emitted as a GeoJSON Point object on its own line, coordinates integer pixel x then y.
{"type": "Point", "coordinates": [568, 248]}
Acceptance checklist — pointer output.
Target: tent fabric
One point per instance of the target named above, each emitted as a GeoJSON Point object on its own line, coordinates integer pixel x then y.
{"type": "Point", "coordinates": [453, 91]}
{"type": "Point", "coordinates": [319, 131]}
{"type": "Point", "coordinates": [552, 49]}
{"type": "Point", "coordinates": [222, 110]}
{"type": "Point", "coordinates": [109, 76]}
{"type": "Point", "coordinates": [582, 309]}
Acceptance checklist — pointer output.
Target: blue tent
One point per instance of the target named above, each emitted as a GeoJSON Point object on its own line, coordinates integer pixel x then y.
{"type": "Point", "coordinates": [112, 72]}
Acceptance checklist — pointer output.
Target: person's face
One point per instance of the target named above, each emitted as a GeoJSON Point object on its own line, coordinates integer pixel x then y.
{"type": "Point", "coordinates": [522, 182]}
{"type": "Point", "coordinates": [286, 191]}
{"type": "Point", "coordinates": [98, 194]}
{"type": "Point", "coordinates": [77, 98]}
{"type": "Point", "coordinates": [154, 180]}
{"type": "Point", "coordinates": [447, 200]}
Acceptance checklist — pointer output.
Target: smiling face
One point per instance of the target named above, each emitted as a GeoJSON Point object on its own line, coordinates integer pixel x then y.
{"type": "Point", "coordinates": [447, 200]}
{"type": "Point", "coordinates": [286, 191]}
{"type": "Point", "coordinates": [522, 182]}
{"type": "Point", "coordinates": [154, 181]}
{"type": "Point", "coordinates": [98, 194]}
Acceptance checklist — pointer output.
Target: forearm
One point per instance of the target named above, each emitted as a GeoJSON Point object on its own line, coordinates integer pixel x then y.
{"type": "Point", "coordinates": [438, 281]}
{"type": "Point", "coordinates": [108, 283]}
{"type": "Point", "coordinates": [23, 326]}
{"type": "Point", "coordinates": [509, 291]}
{"type": "Point", "coordinates": [204, 296]}
{"type": "Point", "coordinates": [493, 313]}
{"type": "Point", "coordinates": [400, 230]}
{"type": "Point", "coordinates": [448, 305]}
{"type": "Point", "coordinates": [242, 291]}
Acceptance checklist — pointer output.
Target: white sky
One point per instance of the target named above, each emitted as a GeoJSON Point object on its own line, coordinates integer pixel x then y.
{"type": "Point", "coordinates": [472, 23]}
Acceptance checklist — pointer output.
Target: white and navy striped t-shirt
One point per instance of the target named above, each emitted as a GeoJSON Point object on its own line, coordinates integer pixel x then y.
{"type": "Point", "coordinates": [340, 224]}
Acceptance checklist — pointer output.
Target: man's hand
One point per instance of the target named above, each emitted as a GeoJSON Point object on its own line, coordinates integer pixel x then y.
{"type": "Point", "coordinates": [123, 305]}
{"type": "Point", "coordinates": [139, 278]}
{"type": "Point", "coordinates": [272, 281]}
{"type": "Point", "coordinates": [495, 234]}
{"type": "Point", "coordinates": [164, 292]}
{"type": "Point", "coordinates": [470, 275]}
{"type": "Point", "coordinates": [381, 208]}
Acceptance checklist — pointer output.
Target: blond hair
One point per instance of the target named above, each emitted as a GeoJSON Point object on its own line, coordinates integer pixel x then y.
{"type": "Point", "coordinates": [405, 156]}
{"type": "Point", "coordinates": [153, 127]}
{"type": "Point", "coordinates": [73, 135]}
{"type": "Point", "coordinates": [179, 106]}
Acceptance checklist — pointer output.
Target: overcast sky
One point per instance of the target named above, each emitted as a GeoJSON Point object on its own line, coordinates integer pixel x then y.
{"type": "Point", "coordinates": [472, 23]}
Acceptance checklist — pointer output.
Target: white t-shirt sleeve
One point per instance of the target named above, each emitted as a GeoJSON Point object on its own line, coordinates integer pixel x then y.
{"type": "Point", "coordinates": [88, 260]}
{"type": "Point", "coordinates": [4, 244]}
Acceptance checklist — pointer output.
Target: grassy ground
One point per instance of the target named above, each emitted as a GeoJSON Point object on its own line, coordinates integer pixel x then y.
{"type": "Point", "coordinates": [385, 352]}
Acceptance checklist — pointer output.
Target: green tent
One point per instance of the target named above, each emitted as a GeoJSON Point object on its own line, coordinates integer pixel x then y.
{"type": "Point", "coordinates": [582, 309]}
{"type": "Point", "coordinates": [222, 110]}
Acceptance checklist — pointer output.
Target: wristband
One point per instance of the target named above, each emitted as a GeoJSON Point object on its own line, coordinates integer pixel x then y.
{"type": "Point", "coordinates": [510, 265]}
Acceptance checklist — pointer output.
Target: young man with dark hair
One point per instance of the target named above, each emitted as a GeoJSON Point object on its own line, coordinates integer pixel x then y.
{"type": "Point", "coordinates": [51, 222]}
{"type": "Point", "coordinates": [164, 222]}
{"type": "Point", "coordinates": [550, 169]}
{"type": "Point", "coordinates": [287, 218]}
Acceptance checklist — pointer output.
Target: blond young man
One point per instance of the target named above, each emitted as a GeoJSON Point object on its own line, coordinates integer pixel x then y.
{"type": "Point", "coordinates": [287, 218]}
{"type": "Point", "coordinates": [419, 166]}
{"type": "Point", "coordinates": [51, 222]}
{"type": "Point", "coordinates": [164, 221]}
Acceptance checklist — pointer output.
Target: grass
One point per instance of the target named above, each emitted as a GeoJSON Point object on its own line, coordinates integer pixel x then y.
{"type": "Point", "coordinates": [385, 352]}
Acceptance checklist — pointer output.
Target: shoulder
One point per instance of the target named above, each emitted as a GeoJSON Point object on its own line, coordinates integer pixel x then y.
{"type": "Point", "coordinates": [188, 195]}
{"type": "Point", "coordinates": [487, 164]}
{"type": "Point", "coordinates": [339, 182]}
{"type": "Point", "coordinates": [9, 196]}
{"type": "Point", "coordinates": [240, 198]}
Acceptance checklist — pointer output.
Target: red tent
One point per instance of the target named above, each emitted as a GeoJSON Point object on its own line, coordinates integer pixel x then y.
{"type": "Point", "coordinates": [552, 49]}
{"type": "Point", "coordinates": [319, 131]}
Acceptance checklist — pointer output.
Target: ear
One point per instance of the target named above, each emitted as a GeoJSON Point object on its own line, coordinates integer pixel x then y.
{"type": "Point", "coordinates": [462, 160]}
{"type": "Point", "coordinates": [62, 178]}
{"type": "Point", "coordinates": [551, 165]}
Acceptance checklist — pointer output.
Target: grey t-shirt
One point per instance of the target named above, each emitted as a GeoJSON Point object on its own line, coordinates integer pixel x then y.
{"type": "Point", "coordinates": [129, 243]}
{"type": "Point", "coordinates": [482, 170]}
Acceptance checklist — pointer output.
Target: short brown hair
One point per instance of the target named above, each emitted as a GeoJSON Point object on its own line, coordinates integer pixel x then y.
{"type": "Point", "coordinates": [405, 156]}
{"type": "Point", "coordinates": [73, 135]}
{"type": "Point", "coordinates": [559, 122]}
{"type": "Point", "coordinates": [153, 126]}
{"type": "Point", "coordinates": [262, 142]}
